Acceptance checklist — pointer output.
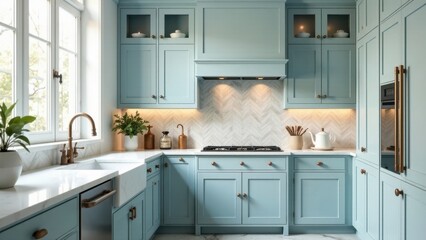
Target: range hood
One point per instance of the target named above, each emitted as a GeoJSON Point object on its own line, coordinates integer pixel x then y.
{"type": "Point", "coordinates": [255, 69]}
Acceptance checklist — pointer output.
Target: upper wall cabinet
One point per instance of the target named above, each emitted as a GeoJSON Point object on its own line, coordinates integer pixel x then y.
{"type": "Point", "coordinates": [367, 17]}
{"type": "Point", "coordinates": [321, 26]}
{"type": "Point", "coordinates": [388, 7]}
{"type": "Point", "coordinates": [139, 26]}
{"type": "Point", "coordinates": [241, 30]}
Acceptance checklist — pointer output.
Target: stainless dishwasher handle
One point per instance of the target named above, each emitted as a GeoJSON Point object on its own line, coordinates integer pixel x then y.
{"type": "Point", "coordinates": [89, 203]}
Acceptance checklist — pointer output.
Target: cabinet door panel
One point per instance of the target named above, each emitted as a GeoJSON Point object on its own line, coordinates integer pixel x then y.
{"type": "Point", "coordinates": [138, 20]}
{"type": "Point", "coordinates": [217, 198]}
{"type": "Point", "coordinates": [179, 191]}
{"type": "Point", "coordinates": [304, 80]}
{"type": "Point", "coordinates": [304, 20]}
{"type": "Point", "coordinates": [152, 206]}
{"type": "Point", "coordinates": [414, 18]}
{"type": "Point", "coordinates": [390, 48]}
{"type": "Point", "coordinates": [121, 223]}
{"type": "Point", "coordinates": [415, 212]}
{"type": "Point", "coordinates": [338, 74]}
{"type": "Point", "coordinates": [170, 20]}
{"type": "Point", "coordinates": [136, 225]}
{"type": "Point", "coordinates": [266, 201]}
{"type": "Point", "coordinates": [338, 19]}
{"type": "Point", "coordinates": [359, 196]}
{"type": "Point", "coordinates": [138, 71]}
{"type": "Point", "coordinates": [319, 198]}
{"type": "Point", "coordinates": [176, 76]}
{"type": "Point", "coordinates": [392, 216]}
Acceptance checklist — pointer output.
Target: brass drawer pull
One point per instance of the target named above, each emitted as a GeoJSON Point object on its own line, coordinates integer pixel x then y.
{"type": "Point", "coordinates": [242, 163]}
{"type": "Point", "coordinates": [398, 192]}
{"type": "Point", "coordinates": [181, 160]}
{"type": "Point", "coordinates": [39, 234]}
{"type": "Point", "coordinates": [363, 171]}
{"type": "Point", "coordinates": [214, 163]}
{"type": "Point", "coordinates": [270, 164]}
{"type": "Point", "coordinates": [320, 163]}
{"type": "Point", "coordinates": [149, 170]}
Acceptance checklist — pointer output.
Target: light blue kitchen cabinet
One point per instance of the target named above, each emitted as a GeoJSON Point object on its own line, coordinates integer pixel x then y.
{"type": "Point", "coordinates": [365, 203]}
{"type": "Point", "coordinates": [240, 30]}
{"type": "Point", "coordinates": [264, 198]}
{"type": "Point", "coordinates": [390, 47]}
{"type": "Point", "coordinates": [321, 76]}
{"type": "Point", "coordinates": [242, 198]}
{"type": "Point", "coordinates": [127, 221]}
{"type": "Point", "coordinates": [388, 7]}
{"type": "Point", "coordinates": [152, 205]}
{"type": "Point", "coordinates": [391, 208]}
{"type": "Point", "coordinates": [178, 190]}
{"type": "Point", "coordinates": [414, 32]}
{"type": "Point", "coordinates": [319, 198]}
{"type": "Point", "coordinates": [157, 71]}
{"type": "Point", "coordinates": [219, 198]}
{"type": "Point", "coordinates": [322, 192]}
{"type": "Point", "coordinates": [58, 222]}
{"type": "Point", "coordinates": [367, 17]}
{"type": "Point", "coordinates": [321, 24]}
{"type": "Point", "coordinates": [415, 211]}
{"type": "Point", "coordinates": [368, 95]}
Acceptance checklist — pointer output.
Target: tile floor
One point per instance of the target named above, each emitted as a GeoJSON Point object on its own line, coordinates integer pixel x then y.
{"type": "Point", "coordinates": [257, 237]}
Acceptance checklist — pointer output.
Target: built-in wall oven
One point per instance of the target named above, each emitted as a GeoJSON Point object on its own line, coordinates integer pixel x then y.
{"type": "Point", "coordinates": [392, 123]}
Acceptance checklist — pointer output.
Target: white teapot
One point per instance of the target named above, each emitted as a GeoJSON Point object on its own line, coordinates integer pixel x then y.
{"type": "Point", "coordinates": [323, 140]}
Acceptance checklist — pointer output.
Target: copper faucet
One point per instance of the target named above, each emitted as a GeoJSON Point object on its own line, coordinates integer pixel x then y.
{"type": "Point", "coordinates": [71, 153]}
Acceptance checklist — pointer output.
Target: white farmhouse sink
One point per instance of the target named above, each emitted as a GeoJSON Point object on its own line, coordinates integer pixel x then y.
{"type": "Point", "coordinates": [130, 181]}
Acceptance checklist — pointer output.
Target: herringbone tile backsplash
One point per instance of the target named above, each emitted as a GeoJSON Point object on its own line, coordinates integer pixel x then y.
{"type": "Point", "coordinates": [247, 113]}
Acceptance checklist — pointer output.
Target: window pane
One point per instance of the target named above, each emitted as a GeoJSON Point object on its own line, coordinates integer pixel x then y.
{"type": "Point", "coordinates": [6, 65]}
{"type": "Point", "coordinates": [7, 10]}
{"type": "Point", "coordinates": [67, 30]}
{"type": "Point", "coordinates": [67, 90]}
{"type": "Point", "coordinates": [39, 18]}
{"type": "Point", "coordinates": [39, 106]}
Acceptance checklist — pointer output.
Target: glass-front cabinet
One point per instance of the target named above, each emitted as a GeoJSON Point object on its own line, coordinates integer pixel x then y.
{"type": "Point", "coordinates": [321, 26]}
{"type": "Point", "coordinates": [141, 26]}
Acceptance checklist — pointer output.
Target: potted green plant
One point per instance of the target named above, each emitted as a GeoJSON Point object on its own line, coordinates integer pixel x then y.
{"type": "Point", "coordinates": [130, 125]}
{"type": "Point", "coordinates": [11, 134]}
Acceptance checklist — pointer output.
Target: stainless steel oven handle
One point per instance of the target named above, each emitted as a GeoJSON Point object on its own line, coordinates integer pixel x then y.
{"type": "Point", "coordinates": [89, 203]}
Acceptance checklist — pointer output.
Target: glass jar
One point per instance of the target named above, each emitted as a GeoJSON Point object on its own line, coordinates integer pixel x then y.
{"type": "Point", "coordinates": [165, 141]}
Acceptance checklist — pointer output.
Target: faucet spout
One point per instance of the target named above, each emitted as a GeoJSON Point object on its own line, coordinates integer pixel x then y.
{"type": "Point", "coordinates": [70, 152]}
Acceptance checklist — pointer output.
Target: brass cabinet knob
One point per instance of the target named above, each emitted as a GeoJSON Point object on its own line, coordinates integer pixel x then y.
{"type": "Point", "coordinates": [153, 37]}
{"type": "Point", "coordinates": [39, 234]}
{"type": "Point", "coordinates": [153, 96]}
{"type": "Point", "coordinates": [398, 192]}
{"type": "Point", "coordinates": [181, 159]}
{"type": "Point", "coordinates": [214, 163]}
{"type": "Point", "coordinates": [149, 170]}
{"type": "Point", "coordinates": [161, 36]}
{"type": "Point", "coordinates": [166, 164]}
{"type": "Point", "coordinates": [157, 166]}
{"type": "Point", "coordinates": [242, 163]}
{"type": "Point", "coordinates": [318, 36]}
{"type": "Point", "coordinates": [363, 171]}
{"type": "Point", "coordinates": [319, 96]}
{"type": "Point", "coordinates": [244, 195]}
{"type": "Point", "coordinates": [319, 163]}
{"type": "Point", "coordinates": [270, 164]}
{"type": "Point", "coordinates": [162, 97]}
{"type": "Point", "coordinates": [324, 36]}
{"type": "Point", "coordinates": [324, 96]}
{"type": "Point", "coordinates": [239, 195]}
{"type": "Point", "coordinates": [363, 149]}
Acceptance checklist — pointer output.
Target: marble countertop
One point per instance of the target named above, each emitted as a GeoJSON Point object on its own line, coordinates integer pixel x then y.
{"type": "Point", "coordinates": [39, 190]}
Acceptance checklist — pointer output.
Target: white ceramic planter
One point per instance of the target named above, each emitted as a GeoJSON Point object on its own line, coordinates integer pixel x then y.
{"type": "Point", "coordinates": [10, 168]}
{"type": "Point", "coordinates": [130, 144]}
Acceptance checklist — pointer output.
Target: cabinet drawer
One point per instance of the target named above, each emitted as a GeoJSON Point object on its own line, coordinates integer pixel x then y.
{"type": "Point", "coordinates": [153, 167]}
{"type": "Point", "coordinates": [319, 163]}
{"type": "Point", "coordinates": [242, 163]}
{"type": "Point", "coordinates": [57, 221]}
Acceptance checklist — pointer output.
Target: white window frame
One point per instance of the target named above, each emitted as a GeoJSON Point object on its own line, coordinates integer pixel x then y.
{"type": "Point", "coordinates": [21, 66]}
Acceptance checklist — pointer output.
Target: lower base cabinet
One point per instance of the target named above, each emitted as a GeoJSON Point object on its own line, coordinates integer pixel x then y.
{"type": "Point", "coordinates": [128, 222]}
{"type": "Point", "coordinates": [152, 206]}
{"type": "Point", "coordinates": [242, 198]}
{"type": "Point", "coordinates": [60, 222]}
{"type": "Point", "coordinates": [403, 209]}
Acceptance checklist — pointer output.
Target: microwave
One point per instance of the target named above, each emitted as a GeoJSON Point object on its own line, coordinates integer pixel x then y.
{"type": "Point", "coordinates": [387, 95]}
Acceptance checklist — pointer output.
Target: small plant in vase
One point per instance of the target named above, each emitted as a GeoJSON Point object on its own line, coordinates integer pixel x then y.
{"type": "Point", "coordinates": [130, 125]}
{"type": "Point", "coordinates": [11, 134]}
